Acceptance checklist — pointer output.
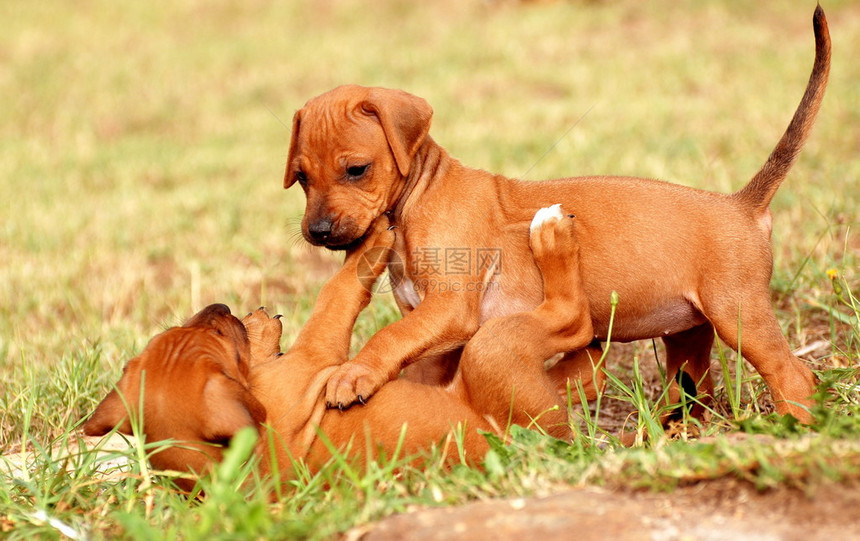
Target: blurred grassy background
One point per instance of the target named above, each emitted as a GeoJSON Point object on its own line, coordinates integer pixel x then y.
{"type": "Point", "coordinates": [142, 144]}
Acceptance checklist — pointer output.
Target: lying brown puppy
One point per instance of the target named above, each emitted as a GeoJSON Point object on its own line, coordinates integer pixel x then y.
{"type": "Point", "coordinates": [686, 263]}
{"type": "Point", "coordinates": [214, 375]}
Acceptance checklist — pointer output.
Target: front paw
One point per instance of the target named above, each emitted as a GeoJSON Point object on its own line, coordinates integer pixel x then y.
{"type": "Point", "coordinates": [264, 334]}
{"type": "Point", "coordinates": [352, 382]}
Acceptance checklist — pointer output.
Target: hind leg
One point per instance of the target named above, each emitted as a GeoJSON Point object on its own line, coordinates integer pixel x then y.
{"type": "Point", "coordinates": [762, 343]}
{"type": "Point", "coordinates": [501, 370]}
{"type": "Point", "coordinates": [688, 363]}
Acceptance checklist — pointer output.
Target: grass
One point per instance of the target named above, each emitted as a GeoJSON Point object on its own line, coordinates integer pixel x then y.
{"type": "Point", "coordinates": [141, 152]}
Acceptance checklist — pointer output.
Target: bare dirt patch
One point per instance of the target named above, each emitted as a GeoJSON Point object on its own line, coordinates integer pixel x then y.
{"type": "Point", "coordinates": [723, 509]}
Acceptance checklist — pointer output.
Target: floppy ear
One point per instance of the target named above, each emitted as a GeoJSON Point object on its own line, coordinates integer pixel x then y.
{"type": "Point", "coordinates": [405, 120]}
{"type": "Point", "coordinates": [290, 173]}
{"type": "Point", "coordinates": [109, 413]}
{"type": "Point", "coordinates": [228, 408]}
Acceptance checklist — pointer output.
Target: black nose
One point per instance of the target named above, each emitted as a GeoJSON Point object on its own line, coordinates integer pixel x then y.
{"type": "Point", "coordinates": [320, 230]}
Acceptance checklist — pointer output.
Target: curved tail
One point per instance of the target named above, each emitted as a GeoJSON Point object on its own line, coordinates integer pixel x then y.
{"type": "Point", "coordinates": [758, 193]}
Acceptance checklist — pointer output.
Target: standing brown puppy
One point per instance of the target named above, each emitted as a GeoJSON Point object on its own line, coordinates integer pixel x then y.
{"type": "Point", "coordinates": [686, 263]}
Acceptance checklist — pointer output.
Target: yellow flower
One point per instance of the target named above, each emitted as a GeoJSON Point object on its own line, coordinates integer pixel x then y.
{"type": "Point", "coordinates": [833, 274]}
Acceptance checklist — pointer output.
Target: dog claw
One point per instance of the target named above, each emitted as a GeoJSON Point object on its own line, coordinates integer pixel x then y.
{"type": "Point", "coordinates": [280, 354]}
{"type": "Point", "coordinates": [361, 400]}
{"type": "Point", "coordinates": [340, 406]}
{"type": "Point", "coordinates": [278, 316]}
{"type": "Point", "coordinates": [571, 215]}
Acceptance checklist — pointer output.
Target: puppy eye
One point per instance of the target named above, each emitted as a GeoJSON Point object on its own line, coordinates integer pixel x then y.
{"type": "Point", "coordinates": [223, 441]}
{"type": "Point", "coordinates": [355, 172]}
{"type": "Point", "coordinates": [301, 178]}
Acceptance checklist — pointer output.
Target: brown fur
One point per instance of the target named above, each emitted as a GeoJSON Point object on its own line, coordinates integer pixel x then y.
{"type": "Point", "coordinates": [208, 359]}
{"type": "Point", "coordinates": [686, 263]}
{"type": "Point", "coordinates": [215, 375]}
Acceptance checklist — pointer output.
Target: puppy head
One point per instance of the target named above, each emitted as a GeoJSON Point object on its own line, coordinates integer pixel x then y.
{"type": "Point", "coordinates": [195, 391]}
{"type": "Point", "coordinates": [351, 151]}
